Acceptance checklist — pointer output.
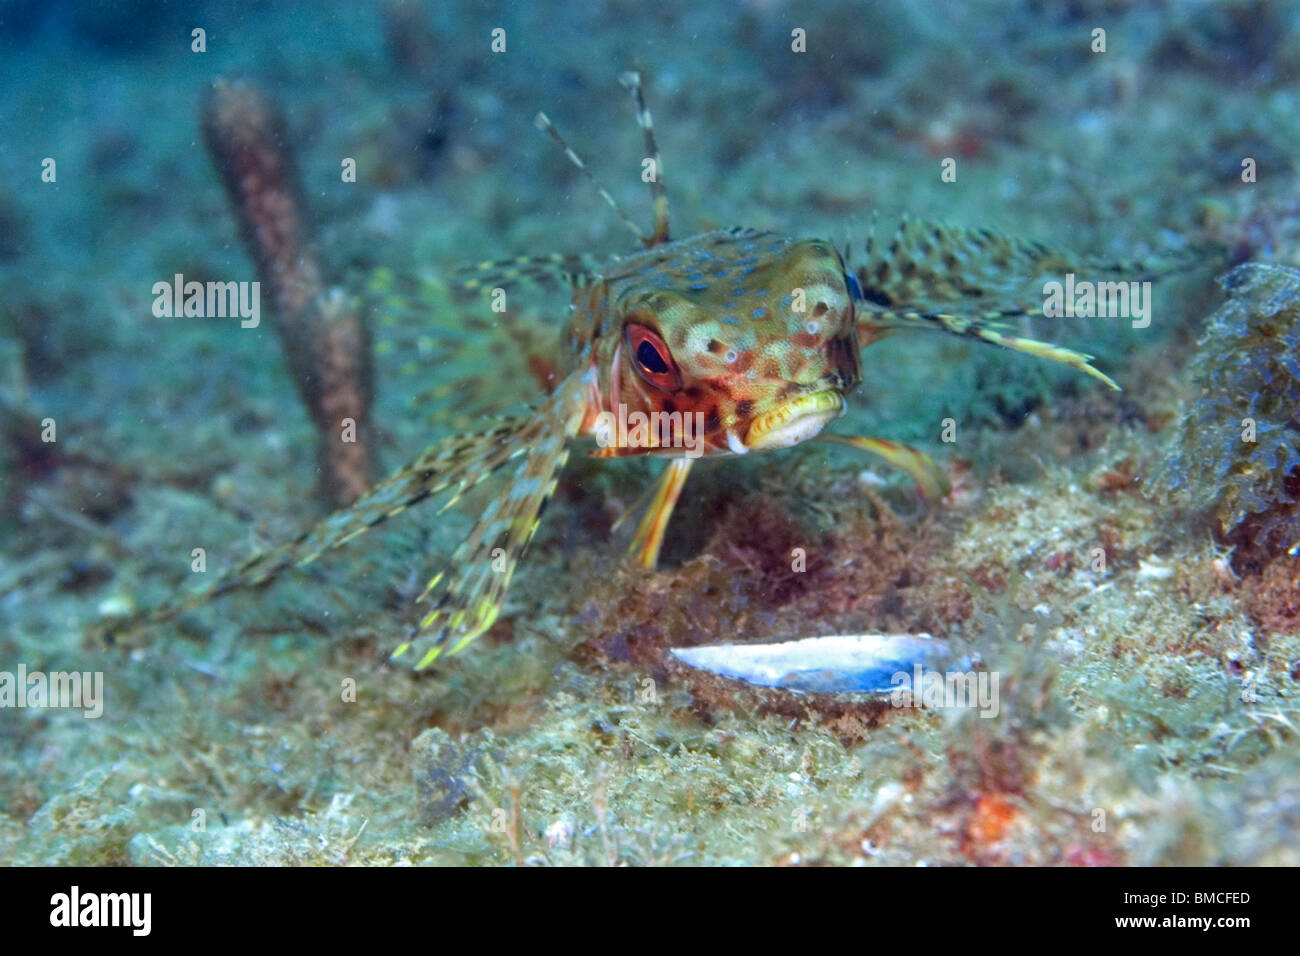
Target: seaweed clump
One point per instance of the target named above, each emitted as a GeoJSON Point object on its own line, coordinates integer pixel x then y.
{"type": "Point", "coordinates": [1238, 450]}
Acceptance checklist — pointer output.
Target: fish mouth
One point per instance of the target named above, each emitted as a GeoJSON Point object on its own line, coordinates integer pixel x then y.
{"type": "Point", "coordinates": [794, 421]}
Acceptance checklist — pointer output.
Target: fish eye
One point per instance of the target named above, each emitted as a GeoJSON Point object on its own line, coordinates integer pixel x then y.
{"type": "Point", "coordinates": [651, 357]}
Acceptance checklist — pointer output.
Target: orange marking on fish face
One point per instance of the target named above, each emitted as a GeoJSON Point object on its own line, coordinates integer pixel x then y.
{"type": "Point", "coordinates": [543, 370]}
{"type": "Point", "coordinates": [738, 326]}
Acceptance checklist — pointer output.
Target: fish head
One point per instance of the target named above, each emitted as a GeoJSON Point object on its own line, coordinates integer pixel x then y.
{"type": "Point", "coordinates": [752, 334]}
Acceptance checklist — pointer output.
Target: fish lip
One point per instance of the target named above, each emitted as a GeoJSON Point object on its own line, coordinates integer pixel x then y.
{"type": "Point", "coordinates": [795, 420]}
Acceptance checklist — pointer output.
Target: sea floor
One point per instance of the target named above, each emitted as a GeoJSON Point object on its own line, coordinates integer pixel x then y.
{"type": "Point", "coordinates": [1148, 685]}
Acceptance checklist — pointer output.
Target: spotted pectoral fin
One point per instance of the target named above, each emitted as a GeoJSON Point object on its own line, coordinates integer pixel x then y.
{"type": "Point", "coordinates": [929, 477]}
{"type": "Point", "coordinates": [928, 263]}
{"type": "Point", "coordinates": [933, 265]}
{"type": "Point", "coordinates": [465, 598]}
{"type": "Point", "coordinates": [557, 269]}
{"type": "Point", "coordinates": [1080, 361]}
{"type": "Point", "coordinates": [987, 326]}
{"type": "Point", "coordinates": [969, 282]}
{"type": "Point", "coordinates": [449, 347]}
{"type": "Point", "coordinates": [456, 463]}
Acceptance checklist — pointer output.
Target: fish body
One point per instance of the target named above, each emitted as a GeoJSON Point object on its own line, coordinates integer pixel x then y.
{"type": "Point", "coordinates": [753, 336]}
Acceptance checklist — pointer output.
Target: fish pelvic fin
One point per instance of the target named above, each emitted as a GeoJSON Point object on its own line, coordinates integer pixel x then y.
{"type": "Point", "coordinates": [929, 477]}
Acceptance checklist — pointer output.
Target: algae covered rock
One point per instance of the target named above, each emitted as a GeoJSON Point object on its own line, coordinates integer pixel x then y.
{"type": "Point", "coordinates": [1238, 448]}
{"type": "Point", "coordinates": [444, 771]}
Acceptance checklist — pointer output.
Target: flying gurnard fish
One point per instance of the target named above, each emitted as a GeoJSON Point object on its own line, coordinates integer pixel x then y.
{"type": "Point", "coordinates": [757, 333]}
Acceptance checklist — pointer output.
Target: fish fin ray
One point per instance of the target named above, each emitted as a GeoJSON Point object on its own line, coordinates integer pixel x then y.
{"type": "Point", "coordinates": [458, 461]}
{"type": "Point", "coordinates": [465, 598]}
{"type": "Point", "coordinates": [928, 476]}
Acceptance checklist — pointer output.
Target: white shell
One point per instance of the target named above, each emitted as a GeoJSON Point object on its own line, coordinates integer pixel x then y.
{"type": "Point", "coordinates": [835, 664]}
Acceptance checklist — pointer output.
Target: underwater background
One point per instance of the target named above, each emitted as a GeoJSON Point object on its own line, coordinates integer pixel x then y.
{"type": "Point", "coordinates": [1126, 561]}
